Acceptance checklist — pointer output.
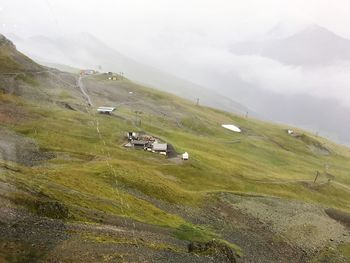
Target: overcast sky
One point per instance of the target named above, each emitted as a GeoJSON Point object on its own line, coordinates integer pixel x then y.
{"type": "Point", "coordinates": [190, 38]}
{"type": "Point", "coordinates": [140, 24]}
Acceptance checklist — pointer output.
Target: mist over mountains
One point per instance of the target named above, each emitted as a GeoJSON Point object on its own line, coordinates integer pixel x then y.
{"type": "Point", "coordinates": [308, 87]}
{"type": "Point", "coordinates": [312, 46]}
{"type": "Point", "coordinates": [298, 78]}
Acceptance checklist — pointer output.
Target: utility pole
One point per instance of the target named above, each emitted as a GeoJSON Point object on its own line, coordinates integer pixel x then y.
{"type": "Point", "coordinates": [121, 74]}
{"type": "Point", "coordinates": [138, 118]}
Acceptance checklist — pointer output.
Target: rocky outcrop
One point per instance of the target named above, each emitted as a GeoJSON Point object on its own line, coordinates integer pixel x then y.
{"type": "Point", "coordinates": [19, 149]}
{"type": "Point", "coordinates": [51, 209]}
{"type": "Point", "coordinates": [219, 251]}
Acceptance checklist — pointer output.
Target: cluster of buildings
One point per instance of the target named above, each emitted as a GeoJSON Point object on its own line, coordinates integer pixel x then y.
{"type": "Point", "coordinates": [115, 76]}
{"type": "Point", "coordinates": [87, 72]}
{"type": "Point", "coordinates": [146, 142]}
{"type": "Point", "coordinates": [139, 140]}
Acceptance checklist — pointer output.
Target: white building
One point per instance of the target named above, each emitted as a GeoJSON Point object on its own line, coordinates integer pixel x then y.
{"type": "Point", "coordinates": [105, 110]}
{"type": "Point", "coordinates": [161, 148]}
{"type": "Point", "coordinates": [185, 156]}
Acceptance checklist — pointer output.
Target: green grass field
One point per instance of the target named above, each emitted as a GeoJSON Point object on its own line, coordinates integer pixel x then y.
{"type": "Point", "coordinates": [98, 173]}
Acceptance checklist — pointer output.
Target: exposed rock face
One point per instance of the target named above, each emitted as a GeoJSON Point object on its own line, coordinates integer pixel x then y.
{"type": "Point", "coordinates": [18, 149]}
{"type": "Point", "coordinates": [51, 209]}
{"type": "Point", "coordinates": [218, 250]}
{"type": "Point", "coordinates": [340, 216]}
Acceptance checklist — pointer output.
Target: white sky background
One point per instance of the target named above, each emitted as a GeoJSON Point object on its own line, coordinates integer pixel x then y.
{"type": "Point", "coordinates": [142, 20]}
{"type": "Point", "coordinates": [185, 37]}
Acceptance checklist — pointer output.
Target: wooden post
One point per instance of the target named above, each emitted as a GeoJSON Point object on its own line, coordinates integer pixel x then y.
{"type": "Point", "coordinates": [317, 174]}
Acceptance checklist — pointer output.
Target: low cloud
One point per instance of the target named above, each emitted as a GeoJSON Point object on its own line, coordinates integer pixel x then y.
{"type": "Point", "coordinates": [209, 65]}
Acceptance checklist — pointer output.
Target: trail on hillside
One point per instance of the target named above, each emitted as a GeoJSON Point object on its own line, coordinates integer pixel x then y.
{"type": "Point", "coordinates": [81, 87]}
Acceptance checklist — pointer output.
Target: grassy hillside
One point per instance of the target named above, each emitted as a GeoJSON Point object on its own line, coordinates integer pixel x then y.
{"type": "Point", "coordinates": [80, 162]}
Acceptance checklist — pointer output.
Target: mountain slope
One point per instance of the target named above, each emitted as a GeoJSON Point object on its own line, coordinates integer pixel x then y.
{"type": "Point", "coordinates": [327, 116]}
{"type": "Point", "coordinates": [72, 192]}
{"type": "Point", "coordinates": [12, 61]}
{"type": "Point", "coordinates": [313, 46]}
{"type": "Point", "coordinates": [85, 51]}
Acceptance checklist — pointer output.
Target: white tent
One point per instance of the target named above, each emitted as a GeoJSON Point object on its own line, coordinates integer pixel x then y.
{"type": "Point", "coordinates": [231, 127]}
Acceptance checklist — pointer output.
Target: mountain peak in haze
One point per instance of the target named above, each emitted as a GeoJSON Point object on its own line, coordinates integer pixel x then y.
{"type": "Point", "coordinates": [5, 42]}
{"type": "Point", "coordinates": [286, 28]}
{"type": "Point", "coordinates": [83, 38]}
{"type": "Point", "coordinates": [12, 61]}
{"type": "Point", "coordinates": [312, 46]}
{"type": "Point", "coordinates": [315, 31]}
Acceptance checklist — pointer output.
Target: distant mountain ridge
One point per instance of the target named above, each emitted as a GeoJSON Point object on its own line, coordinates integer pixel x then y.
{"type": "Point", "coordinates": [312, 46]}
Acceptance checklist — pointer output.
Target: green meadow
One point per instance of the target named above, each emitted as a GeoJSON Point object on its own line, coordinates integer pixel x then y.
{"type": "Point", "coordinates": [93, 172]}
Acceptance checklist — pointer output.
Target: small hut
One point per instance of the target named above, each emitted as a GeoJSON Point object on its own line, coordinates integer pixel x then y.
{"type": "Point", "coordinates": [105, 110]}
{"type": "Point", "coordinates": [185, 156]}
